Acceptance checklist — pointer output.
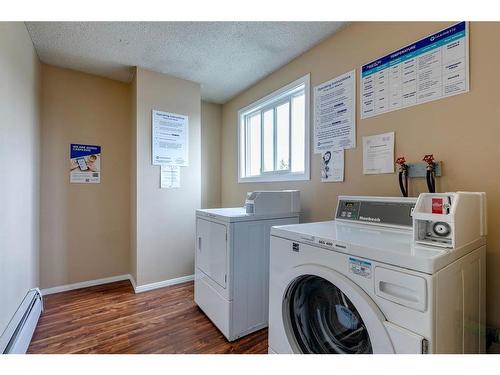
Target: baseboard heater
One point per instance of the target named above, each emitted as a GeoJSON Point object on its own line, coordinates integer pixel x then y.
{"type": "Point", "coordinates": [17, 336]}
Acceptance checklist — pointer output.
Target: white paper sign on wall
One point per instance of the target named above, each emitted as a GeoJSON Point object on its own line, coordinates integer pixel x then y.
{"type": "Point", "coordinates": [170, 139]}
{"type": "Point", "coordinates": [170, 177]}
{"type": "Point", "coordinates": [378, 153]}
{"type": "Point", "coordinates": [335, 113]}
{"type": "Point", "coordinates": [332, 165]}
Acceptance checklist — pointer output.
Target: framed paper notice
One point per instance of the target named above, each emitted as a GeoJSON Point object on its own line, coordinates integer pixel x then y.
{"type": "Point", "coordinates": [170, 139]}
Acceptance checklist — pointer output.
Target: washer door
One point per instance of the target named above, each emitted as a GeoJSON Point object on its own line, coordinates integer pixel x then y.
{"type": "Point", "coordinates": [324, 312]}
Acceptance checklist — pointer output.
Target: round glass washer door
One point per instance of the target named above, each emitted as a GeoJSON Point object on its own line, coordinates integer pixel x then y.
{"type": "Point", "coordinates": [323, 319]}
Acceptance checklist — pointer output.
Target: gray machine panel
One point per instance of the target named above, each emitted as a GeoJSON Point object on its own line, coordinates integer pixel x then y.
{"type": "Point", "coordinates": [384, 212]}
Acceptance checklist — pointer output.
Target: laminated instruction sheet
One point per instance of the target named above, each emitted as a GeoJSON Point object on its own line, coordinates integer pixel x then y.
{"type": "Point", "coordinates": [432, 68]}
{"type": "Point", "coordinates": [335, 113]}
{"type": "Point", "coordinates": [170, 138]}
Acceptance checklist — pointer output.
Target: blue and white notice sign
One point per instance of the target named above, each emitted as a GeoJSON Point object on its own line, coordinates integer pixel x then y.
{"type": "Point", "coordinates": [432, 68]}
{"type": "Point", "coordinates": [85, 164]}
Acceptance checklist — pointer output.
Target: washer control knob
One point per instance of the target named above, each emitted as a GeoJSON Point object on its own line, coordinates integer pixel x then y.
{"type": "Point", "coordinates": [441, 229]}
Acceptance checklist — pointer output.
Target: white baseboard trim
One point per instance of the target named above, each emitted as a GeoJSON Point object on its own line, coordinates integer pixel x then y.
{"type": "Point", "coordinates": [112, 279]}
{"type": "Point", "coordinates": [132, 281]}
{"type": "Point", "coordinates": [162, 284]}
{"type": "Point", "coordinates": [85, 284]}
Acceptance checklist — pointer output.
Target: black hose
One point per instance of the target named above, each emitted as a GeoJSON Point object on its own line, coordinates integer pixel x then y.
{"type": "Point", "coordinates": [428, 180]}
{"type": "Point", "coordinates": [431, 181]}
{"type": "Point", "coordinates": [406, 184]}
{"type": "Point", "coordinates": [403, 186]}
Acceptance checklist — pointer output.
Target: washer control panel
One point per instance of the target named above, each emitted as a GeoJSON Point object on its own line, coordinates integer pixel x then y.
{"type": "Point", "coordinates": [348, 210]}
{"type": "Point", "coordinates": [377, 210]}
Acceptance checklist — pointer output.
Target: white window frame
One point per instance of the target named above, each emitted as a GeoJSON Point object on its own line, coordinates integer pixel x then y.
{"type": "Point", "coordinates": [272, 100]}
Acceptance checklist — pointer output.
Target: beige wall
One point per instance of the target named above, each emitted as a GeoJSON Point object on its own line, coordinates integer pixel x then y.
{"type": "Point", "coordinates": [447, 128]}
{"type": "Point", "coordinates": [211, 126]}
{"type": "Point", "coordinates": [118, 226]}
{"type": "Point", "coordinates": [133, 179]}
{"type": "Point", "coordinates": [19, 155]}
{"type": "Point", "coordinates": [165, 217]}
{"type": "Point", "coordinates": [85, 228]}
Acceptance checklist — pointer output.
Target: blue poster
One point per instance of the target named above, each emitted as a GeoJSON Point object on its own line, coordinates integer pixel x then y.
{"type": "Point", "coordinates": [85, 164]}
{"type": "Point", "coordinates": [432, 68]}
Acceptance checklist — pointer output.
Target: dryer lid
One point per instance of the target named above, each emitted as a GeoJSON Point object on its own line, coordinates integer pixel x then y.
{"type": "Point", "coordinates": [233, 214]}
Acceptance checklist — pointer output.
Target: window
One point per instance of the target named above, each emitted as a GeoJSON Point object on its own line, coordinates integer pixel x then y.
{"type": "Point", "coordinates": [273, 136]}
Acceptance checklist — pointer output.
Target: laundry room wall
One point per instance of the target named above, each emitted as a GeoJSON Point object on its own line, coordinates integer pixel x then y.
{"type": "Point", "coordinates": [85, 228]}
{"type": "Point", "coordinates": [97, 231]}
{"type": "Point", "coordinates": [133, 177]}
{"type": "Point", "coordinates": [211, 127]}
{"type": "Point", "coordinates": [20, 158]}
{"type": "Point", "coordinates": [461, 131]}
{"type": "Point", "coordinates": [165, 218]}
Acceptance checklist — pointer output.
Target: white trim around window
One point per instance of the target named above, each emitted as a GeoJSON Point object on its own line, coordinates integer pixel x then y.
{"type": "Point", "coordinates": [280, 170]}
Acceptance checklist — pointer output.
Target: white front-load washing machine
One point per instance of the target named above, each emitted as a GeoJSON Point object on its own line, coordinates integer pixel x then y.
{"type": "Point", "coordinates": [368, 282]}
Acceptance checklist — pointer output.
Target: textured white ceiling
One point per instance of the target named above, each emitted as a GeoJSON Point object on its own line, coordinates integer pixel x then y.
{"type": "Point", "coordinates": [224, 57]}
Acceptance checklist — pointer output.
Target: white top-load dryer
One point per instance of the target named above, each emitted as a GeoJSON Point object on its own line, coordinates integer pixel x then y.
{"type": "Point", "coordinates": [389, 275]}
{"type": "Point", "coordinates": [232, 259]}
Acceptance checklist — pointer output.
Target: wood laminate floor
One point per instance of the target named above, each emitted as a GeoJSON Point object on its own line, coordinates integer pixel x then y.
{"type": "Point", "coordinates": [111, 318]}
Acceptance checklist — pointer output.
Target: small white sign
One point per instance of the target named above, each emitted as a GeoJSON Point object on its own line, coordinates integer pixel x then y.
{"type": "Point", "coordinates": [378, 154]}
{"type": "Point", "coordinates": [170, 176]}
{"type": "Point", "coordinates": [332, 165]}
